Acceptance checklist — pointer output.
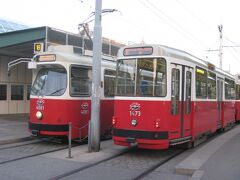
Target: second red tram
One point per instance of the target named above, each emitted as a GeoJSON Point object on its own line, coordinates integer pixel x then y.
{"type": "Point", "coordinates": [61, 93]}
{"type": "Point", "coordinates": [166, 96]}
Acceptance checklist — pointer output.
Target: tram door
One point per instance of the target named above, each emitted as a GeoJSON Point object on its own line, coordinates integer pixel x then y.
{"type": "Point", "coordinates": [219, 101]}
{"type": "Point", "coordinates": [181, 100]}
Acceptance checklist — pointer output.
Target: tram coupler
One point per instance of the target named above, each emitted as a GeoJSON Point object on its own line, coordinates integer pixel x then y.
{"type": "Point", "coordinates": [131, 141]}
{"type": "Point", "coordinates": [35, 132]}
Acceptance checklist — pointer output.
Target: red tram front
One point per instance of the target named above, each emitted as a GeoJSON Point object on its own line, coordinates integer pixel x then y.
{"type": "Point", "coordinates": [167, 97]}
{"type": "Point", "coordinates": [61, 93]}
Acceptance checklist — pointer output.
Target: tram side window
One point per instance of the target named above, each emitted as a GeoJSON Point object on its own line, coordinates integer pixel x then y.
{"type": "Point", "coordinates": [201, 83]}
{"type": "Point", "coordinates": [211, 85]}
{"type": "Point", "coordinates": [3, 92]}
{"type": "Point", "coordinates": [80, 81]}
{"type": "Point", "coordinates": [151, 77]}
{"type": "Point", "coordinates": [125, 81]}
{"type": "Point", "coordinates": [238, 92]}
{"type": "Point", "coordinates": [175, 86]}
{"type": "Point", "coordinates": [109, 82]}
{"type": "Point", "coordinates": [16, 92]}
{"type": "Point", "coordinates": [160, 82]}
{"type": "Point", "coordinates": [145, 73]}
{"type": "Point", "coordinates": [229, 89]}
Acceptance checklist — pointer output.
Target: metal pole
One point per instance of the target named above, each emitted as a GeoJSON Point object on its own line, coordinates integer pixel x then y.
{"type": "Point", "coordinates": [220, 27]}
{"type": "Point", "coordinates": [89, 137]}
{"type": "Point", "coordinates": [96, 81]}
{"type": "Point", "coordinates": [46, 39]}
{"type": "Point", "coordinates": [70, 140]}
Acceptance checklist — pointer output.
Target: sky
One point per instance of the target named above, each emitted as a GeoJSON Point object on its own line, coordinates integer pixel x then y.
{"type": "Point", "coordinates": [189, 25]}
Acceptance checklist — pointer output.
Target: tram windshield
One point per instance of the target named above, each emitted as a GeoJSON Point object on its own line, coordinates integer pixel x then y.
{"type": "Point", "coordinates": [50, 82]}
{"type": "Point", "coordinates": [141, 77]}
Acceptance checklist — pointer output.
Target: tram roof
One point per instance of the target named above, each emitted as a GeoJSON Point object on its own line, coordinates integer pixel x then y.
{"type": "Point", "coordinates": [163, 50]}
{"type": "Point", "coordinates": [71, 54]}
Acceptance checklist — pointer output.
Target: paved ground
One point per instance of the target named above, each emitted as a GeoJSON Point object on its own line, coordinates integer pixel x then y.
{"type": "Point", "coordinates": [13, 128]}
{"type": "Point", "coordinates": [217, 159]}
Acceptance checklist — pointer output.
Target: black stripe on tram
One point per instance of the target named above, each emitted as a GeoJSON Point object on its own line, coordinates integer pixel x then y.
{"type": "Point", "coordinates": [140, 134]}
{"type": "Point", "coordinates": [48, 127]}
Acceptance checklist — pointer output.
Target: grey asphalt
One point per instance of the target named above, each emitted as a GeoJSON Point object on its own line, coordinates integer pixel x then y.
{"type": "Point", "coordinates": [13, 128]}
{"type": "Point", "coordinates": [217, 159]}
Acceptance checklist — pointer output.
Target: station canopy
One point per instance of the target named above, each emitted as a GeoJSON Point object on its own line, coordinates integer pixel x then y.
{"type": "Point", "coordinates": [19, 44]}
{"type": "Point", "coordinates": [7, 26]}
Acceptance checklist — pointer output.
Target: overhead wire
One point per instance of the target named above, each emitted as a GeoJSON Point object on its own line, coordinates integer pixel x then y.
{"type": "Point", "coordinates": [193, 14]}
{"type": "Point", "coordinates": [170, 22]}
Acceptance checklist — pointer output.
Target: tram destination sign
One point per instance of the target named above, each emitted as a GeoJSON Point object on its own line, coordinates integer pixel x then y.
{"type": "Point", "coordinates": [46, 57]}
{"type": "Point", "coordinates": [138, 51]}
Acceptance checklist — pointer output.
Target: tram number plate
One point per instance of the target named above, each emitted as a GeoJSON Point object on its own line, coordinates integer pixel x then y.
{"type": "Point", "coordinates": [135, 113]}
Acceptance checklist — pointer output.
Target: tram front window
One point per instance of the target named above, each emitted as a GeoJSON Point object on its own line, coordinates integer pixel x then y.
{"type": "Point", "coordinates": [141, 77]}
{"type": "Point", "coordinates": [50, 82]}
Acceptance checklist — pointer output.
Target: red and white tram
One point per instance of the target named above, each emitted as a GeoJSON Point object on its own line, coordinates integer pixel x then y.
{"type": "Point", "coordinates": [61, 93]}
{"type": "Point", "coordinates": [166, 96]}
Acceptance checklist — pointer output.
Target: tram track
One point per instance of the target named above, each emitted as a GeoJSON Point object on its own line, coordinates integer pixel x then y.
{"type": "Point", "coordinates": [119, 161]}
{"type": "Point", "coordinates": [159, 164]}
{"type": "Point", "coordinates": [25, 151]}
{"type": "Point", "coordinates": [74, 171]}
{"type": "Point", "coordinates": [18, 144]}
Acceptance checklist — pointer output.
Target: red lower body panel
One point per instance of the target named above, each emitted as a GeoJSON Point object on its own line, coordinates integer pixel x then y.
{"type": "Point", "coordinates": [57, 114]}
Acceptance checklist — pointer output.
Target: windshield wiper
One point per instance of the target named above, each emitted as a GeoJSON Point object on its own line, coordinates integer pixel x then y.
{"type": "Point", "coordinates": [54, 92]}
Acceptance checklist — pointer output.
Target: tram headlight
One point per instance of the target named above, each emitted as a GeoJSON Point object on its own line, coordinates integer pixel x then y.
{"type": "Point", "coordinates": [39, 115]}
{"type": "Point", "coordinates": [134, 122]}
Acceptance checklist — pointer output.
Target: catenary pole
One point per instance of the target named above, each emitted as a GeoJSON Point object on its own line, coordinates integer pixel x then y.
{"type": "Point", "coordinates": [96, 79]}
{"type": "Point", "coordinates": [220, 27]}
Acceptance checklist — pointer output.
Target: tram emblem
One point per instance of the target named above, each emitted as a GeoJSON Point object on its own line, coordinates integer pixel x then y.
{"type": "Point", "coordinates": [40, 104]}
{"type": "Point", "coordinates": [84, 108]}
{"type": "Point", "coordinates": [84, 105]}
{"type": "Point", "coordinates": [135, 109]}
{"type": "Point", "coordinates": [135, 106]}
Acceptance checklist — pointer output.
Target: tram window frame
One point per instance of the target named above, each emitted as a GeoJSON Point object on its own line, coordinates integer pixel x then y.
{"type": "Point", "coordinates": [163, 78]}
{"type": "Point", "coordinates": [201, 83]}
{"type": "Point", "coordinates": [88, 80]}
{"type": "Point", "coordinates": [211, 85]}
{"type": "Point", "coordinates": [141, 84]}
{"type": "Point", "coordinates": [125, 77]}
{"type": "Point", "coordinates": [175, 91]}
{"type": "Point", "coordinates": [237, 91]}
{"type": "Point", "coordinates": [50, 81]}
{"type": "Point", "coordinates": [3, 92]}
{"type": "Point", "coordinates": [109, 84]}
{"type": "Point", "coordinates": [188, 92]}
{"type": "Point", "coordinates": [145, 77]}
{"type": "Point", "coordinates": [150, 86]}
{"type": "Point", "coordinates": [17, 92]}
{"type": "Point", "coordinates": [229, 87]}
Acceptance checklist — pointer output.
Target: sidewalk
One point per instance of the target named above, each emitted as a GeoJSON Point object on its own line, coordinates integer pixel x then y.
{"type": "Point", "coordinates": [13, 128]}
{"type": "Point", "coordinates": [218, 159]}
